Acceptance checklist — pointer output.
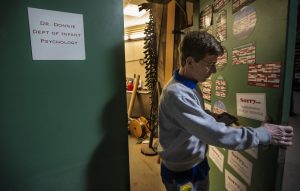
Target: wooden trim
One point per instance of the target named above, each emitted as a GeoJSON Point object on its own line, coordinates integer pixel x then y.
{"type": "Point", "coordinates": [169, 41]}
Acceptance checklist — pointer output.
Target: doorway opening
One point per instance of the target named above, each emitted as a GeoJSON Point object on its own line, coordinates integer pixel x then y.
{"type": "Point", "coordinates": [144, 170]}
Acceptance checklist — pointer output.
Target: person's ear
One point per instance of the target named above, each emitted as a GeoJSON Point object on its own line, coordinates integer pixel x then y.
{"type": "Point", "coordinates": [189, 60]}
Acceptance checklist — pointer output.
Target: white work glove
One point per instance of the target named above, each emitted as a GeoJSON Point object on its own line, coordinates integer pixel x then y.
{"type": "Point", "coordinates": [280, 135]}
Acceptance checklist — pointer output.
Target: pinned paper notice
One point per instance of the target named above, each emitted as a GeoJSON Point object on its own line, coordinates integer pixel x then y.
{"type": "Point", "coordinates": [217, 157]}
{"type": "Point", "coordinates": [56, 35]}
{"type": "Point", "coordinates": [252, 152]}
{"type": "Point", "coordinates": [232, 183]}
{"type": "Point", "coordinates": [241, 165]}
{"type": "Point", "coordinates": [251, 105]}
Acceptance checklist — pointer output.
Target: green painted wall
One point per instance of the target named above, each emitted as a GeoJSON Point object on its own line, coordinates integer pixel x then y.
{"type": "Point", "coordinates": [63, 123]}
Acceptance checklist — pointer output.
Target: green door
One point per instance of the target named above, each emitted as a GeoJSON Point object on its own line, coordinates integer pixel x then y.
{"type": "Point", "coordinates": [63, 123]}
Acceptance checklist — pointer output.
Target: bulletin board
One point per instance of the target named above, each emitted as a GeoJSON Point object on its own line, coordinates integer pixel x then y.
{"type": "Point", "coordinates": [250, 85]}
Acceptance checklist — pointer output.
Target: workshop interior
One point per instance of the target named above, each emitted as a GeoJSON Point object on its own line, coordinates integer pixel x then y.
{"type": "Point", "coordinates": [81, 83]}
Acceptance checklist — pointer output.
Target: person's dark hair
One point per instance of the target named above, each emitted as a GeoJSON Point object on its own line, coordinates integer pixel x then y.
{"type": "Point", "coordinates": [198, 44]}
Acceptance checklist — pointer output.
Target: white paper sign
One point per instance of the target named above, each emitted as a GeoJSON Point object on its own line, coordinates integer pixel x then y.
{"type": "Point", "coordinates": [217, 157]}
{"type": "Point", "coordinates": [207, 106]}
{"type": "Point", "coordinates": [56, 35]}
{"type": "Point", "coordinates": [252, 152]}
{"type": "Point", "coordinates": [251, 105]}
{"type": "Point", "coordinates": [232, 183]}
{"type": "Point", "coordinates": [241, 165]}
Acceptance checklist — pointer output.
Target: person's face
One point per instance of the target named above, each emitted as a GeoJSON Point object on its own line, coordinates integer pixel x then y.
{"type": "Point", "coordinates": [202, 69]}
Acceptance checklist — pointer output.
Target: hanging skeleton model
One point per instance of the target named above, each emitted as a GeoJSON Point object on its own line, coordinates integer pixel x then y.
{"type": "Point", "coordinates": [151, 60]}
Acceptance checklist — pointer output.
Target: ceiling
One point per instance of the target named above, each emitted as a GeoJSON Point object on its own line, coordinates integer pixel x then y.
{"type": "Point", "coordinates": [130, 21]}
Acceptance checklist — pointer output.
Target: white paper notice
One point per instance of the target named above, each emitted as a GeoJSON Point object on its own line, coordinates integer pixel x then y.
{"type": "Point", "coordinates": [207, 106]}
{"type": "Point", "coordinates": [241, 165]}
{"type": "Point", "coordinates": [252, 152]}
{"type": "Point", "coordinates": [217, 157]}
{"type": "Point", "coordinates": [232, 183]}
{"type": "Point", "coordinates": [56, 35]}
{"type": "Point", "coordinates": [251, 105]}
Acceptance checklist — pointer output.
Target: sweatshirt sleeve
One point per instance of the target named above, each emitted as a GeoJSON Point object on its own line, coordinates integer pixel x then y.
{"type": "Point", "coordinates": [192, 118]}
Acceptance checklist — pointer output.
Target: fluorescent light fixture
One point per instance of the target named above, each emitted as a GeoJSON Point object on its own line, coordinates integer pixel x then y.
{"type": "Point", "coordinates": [126, 37]}
{"type": "Point", "coordinates": [133, 10]}
{"type": "Point", "coordinates": [136, 36]}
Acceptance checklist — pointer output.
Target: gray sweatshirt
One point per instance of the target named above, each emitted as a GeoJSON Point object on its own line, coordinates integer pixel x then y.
{"type": "Point", "coordinates": [185, 129]}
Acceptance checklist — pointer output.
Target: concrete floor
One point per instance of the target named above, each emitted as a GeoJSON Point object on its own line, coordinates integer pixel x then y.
{"type": "Point", "coordinates": [145, 171]}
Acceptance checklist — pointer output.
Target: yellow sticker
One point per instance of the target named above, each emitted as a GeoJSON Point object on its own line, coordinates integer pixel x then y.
{"type": "Point", "coordinates": [186, 187]}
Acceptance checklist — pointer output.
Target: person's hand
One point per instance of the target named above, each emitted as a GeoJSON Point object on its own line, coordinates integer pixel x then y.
{"type": "Point", "coordinates": [280, 135]}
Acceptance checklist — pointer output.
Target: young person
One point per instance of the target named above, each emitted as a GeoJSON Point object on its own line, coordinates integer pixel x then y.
{"type": "Point", "coordinates": [185, 129]}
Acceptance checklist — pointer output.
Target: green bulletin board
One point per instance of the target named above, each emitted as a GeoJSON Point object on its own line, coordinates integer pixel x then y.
{"type": "Point", "coordinates": [258, 39]}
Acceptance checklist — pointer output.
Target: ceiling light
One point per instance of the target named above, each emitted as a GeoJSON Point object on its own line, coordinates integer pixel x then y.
{"type": "Point", "coordinates": [133, 10]}
{"type": "Point", "coordinates": [139, 35]}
